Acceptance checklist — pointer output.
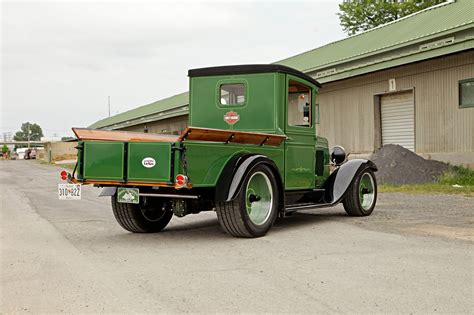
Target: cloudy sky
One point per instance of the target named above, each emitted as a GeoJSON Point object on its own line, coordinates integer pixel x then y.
{"type": "Point", "coordinates": [60, 60]}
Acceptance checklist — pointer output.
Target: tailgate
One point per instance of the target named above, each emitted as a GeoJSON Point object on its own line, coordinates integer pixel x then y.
{"type": "Point", "coordinates": [126, 161]}
{"type": "Point", "coordinates": [149, 161]}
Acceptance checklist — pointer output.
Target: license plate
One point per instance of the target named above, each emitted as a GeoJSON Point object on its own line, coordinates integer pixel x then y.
{"type": "Point", "coordinates": [128, 195]}
{"type": "Point", "coordinates": [69, 191]}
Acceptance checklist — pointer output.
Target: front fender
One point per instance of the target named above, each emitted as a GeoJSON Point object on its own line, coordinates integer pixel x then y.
{"type": "Point", "coordinates": [338, 182]}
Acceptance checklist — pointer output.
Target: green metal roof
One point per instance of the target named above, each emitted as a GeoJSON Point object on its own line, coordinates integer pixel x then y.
{"type": "Point", "coordinates": [389, 45]}
{"type": "Point", "coordinates": [416, 28]}
{"type": "Point", "coordinates": [146, 110]}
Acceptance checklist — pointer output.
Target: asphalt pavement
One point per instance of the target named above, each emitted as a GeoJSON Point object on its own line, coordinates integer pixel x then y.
{"type": "Point", "coordinates": [413, 255]}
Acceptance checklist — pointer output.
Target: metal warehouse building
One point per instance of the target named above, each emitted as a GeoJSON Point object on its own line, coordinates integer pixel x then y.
{"type": "Point", "coordinates": [409, 82]}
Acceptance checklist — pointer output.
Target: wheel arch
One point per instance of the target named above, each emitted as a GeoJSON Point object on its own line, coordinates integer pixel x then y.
{"type": "Point", "coordinates": [236, 171]}
{"type": "Point", "coordinates": [339, 181]}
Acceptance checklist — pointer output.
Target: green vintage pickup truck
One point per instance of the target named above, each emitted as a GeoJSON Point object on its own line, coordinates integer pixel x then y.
{"type": "Point", "coordinates": [250, 153]}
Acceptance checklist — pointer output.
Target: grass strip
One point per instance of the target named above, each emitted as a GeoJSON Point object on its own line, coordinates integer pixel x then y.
{"type": "Point", "coordinates": [458, 180]}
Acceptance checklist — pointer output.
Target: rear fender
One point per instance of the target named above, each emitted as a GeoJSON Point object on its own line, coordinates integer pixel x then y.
{"type": "Point", "coordinates": [235, 172]}
{"type": "Point", "coordinates": [339, 181]}
{"type": "Point", "coordinates": [227, 174]}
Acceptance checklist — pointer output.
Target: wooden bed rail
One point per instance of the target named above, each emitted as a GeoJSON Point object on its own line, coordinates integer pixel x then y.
{"type": "Point", "coordinates": [190, 134]}
{"type": "Point", "coordinates": [231, 136]}
{"type": "Point", "coordinates": [124, 136]}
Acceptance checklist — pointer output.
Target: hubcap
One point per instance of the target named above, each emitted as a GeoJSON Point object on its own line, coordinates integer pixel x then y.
{"type": "Point", "coordinates": [366, 191]}
{"type": "Point", "coordinates": [152, 209]}
{"type": "Point", "coordinates": [259, 198]}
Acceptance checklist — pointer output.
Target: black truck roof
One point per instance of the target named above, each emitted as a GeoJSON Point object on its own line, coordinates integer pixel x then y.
{"type": "Point", "coordinates": [244, 69]}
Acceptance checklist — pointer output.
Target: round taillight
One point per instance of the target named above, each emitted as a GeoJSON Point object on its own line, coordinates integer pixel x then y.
{"type": "Point", "coordinates": [63, 175]}
{"type": "Point", "coordinates": [181, 180]}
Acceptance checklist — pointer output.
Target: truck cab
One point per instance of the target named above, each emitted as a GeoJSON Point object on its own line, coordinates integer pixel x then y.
{"type": "Point", "coordinates": [263, 98]}
{"type": "Point", "coordinates": [250, 153]}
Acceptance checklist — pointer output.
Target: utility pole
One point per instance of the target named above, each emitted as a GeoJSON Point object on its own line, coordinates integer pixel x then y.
{"type": "Point", "coordinates": [109, 106]}
{"type": "Point", "coordinates": [29, 131]}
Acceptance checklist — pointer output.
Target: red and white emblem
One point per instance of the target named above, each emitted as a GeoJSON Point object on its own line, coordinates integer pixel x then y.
{"type": "Point", "coordinates": [231, 118]}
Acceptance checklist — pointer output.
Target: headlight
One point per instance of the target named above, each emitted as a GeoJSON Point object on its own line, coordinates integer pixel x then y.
{"type": "Point", "coordinates": [338, 155]}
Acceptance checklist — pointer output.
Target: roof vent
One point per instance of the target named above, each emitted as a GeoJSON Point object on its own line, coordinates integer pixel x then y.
{"type": "Point", "coordinates": [438, 43]}
{"type": "Point", "coordinates": [325, 73]}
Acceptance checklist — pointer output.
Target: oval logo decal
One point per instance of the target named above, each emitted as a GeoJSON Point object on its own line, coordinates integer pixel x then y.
{"type": "Point", "coordinates": [231, 118]}
{"type": "Point", "coordinates": [148, 162]}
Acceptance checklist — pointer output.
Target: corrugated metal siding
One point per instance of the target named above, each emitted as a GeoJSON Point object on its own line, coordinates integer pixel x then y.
{"type": "Point", "coordinates": [347, 107]}
{"type": "Point", "coordinates": [398, 120]}
{"type": "Point", "coordinates": [173, 125]}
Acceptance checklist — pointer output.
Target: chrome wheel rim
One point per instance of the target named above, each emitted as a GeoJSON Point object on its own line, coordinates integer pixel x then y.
{"type": "Point", "coordinates": [366, 191]}
{"type": "Point", "coordinates": [259, 198]}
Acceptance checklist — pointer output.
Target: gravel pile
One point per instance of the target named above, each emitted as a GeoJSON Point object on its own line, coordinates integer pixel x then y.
{"type": "Point", "coordinates": [400, 166]}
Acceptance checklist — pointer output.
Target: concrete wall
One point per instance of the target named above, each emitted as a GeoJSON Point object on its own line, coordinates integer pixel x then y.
{"type": "Point", "coordinates": [348, 108]}
{"type": "Point", "coordinates": [59, 151]}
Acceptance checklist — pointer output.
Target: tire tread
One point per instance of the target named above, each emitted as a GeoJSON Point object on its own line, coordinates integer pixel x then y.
{"type": "Point", "coordinates": [351, 199]}
{"type": "Point", "coordinates": [231, 217]}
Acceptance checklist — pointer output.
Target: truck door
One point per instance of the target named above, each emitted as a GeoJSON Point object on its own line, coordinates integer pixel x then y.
{"type": "Point", "coordinates": [301, 132]}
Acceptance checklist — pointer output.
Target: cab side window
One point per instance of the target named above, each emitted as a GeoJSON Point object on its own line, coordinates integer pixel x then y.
{"type": "Point", "coordinates": [299, 104]}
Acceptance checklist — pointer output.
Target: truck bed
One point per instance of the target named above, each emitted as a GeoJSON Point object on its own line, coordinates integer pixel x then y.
{"type": "Point", "coordinates": [118, 157]}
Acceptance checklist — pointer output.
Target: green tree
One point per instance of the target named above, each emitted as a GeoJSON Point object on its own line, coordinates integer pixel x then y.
{"type": "Point", "coordinates": [5, 149]}
{"type": "Point", "coordinates": [34, 130]}
{"type": "Point", "coordinates": [361, 15]}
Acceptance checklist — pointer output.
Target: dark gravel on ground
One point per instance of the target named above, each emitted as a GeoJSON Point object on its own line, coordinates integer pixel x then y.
{"type": "Point", "coordinates": [400, 166]}
{"type": "Point", "coordinates": [439, 215]}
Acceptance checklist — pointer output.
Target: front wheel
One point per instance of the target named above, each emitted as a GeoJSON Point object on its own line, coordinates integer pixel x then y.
{"type": "Point", "coordinates": [255, 208]}
{"type": "Point", "coordinates": [148, 216]}
{"type": "Point", "coordinates": [361, 196]}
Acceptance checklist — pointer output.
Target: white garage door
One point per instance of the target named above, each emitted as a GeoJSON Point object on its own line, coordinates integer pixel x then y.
{"type": "Point", "coordinates": [398, 120]}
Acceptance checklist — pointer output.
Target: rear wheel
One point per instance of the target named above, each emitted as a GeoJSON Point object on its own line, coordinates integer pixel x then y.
{"type": "Point", "coordinates": [253, 211]}
{"type": "Point", "coordinates": [361, 196]}
{"type": "Point", "coordinates": [148, 216]}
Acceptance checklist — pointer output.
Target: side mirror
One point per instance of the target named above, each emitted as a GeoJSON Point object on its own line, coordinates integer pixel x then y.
{"type": "Point", "coordinates": [338, 155]}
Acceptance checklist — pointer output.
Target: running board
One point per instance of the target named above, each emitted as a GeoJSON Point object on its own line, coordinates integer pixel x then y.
{"type": "Point", "coordinates": [296, 200]}
{"type": "Point", "coordinates": [307, 206]}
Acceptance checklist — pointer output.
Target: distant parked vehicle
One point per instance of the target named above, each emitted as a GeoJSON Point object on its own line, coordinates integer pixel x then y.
{"type": "Point", "coordinates": [30, 154]}
{"type": "Point", "coordinates": [21, 153]}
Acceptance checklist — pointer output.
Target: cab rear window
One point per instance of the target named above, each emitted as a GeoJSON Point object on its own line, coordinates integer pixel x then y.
{"type": "Point", "coordinates": [232, 94]}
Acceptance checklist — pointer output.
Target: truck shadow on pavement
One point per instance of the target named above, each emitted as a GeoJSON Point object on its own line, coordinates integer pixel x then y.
{"type": "Point", "coordinates": [209, 228]}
